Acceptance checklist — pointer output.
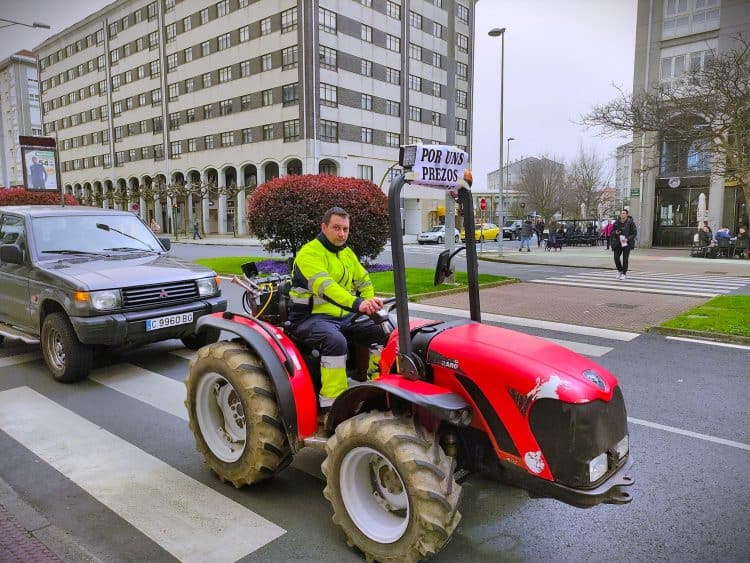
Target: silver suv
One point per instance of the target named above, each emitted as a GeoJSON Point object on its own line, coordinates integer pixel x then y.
{"type": "Point", "coordinates": [512, 229]}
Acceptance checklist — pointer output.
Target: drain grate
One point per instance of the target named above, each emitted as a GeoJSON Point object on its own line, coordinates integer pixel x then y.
{"type": "Point", "coordinates": [621, 305]}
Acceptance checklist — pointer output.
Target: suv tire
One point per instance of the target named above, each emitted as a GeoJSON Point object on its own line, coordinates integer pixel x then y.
{"type": "Point", "coordinates": [67, 359]}
{"type": "Point", "coordinates": [196, 341]}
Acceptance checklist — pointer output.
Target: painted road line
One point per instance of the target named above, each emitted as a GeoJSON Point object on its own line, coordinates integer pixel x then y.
{"type": "Point", "coordinates": [531, 323]}
{"type": "Point", "coordinates": [161, 392]}
{"type": "Point", "coordinates": [622, 287]}
{"type": "Point", "coordinates": [184, 353]}
{"type": "Point", "coordinates": [19, 359]}
{"type": "Point", "coordinates": [697, 435]}
{"type": "Point", "coordinates": [661, 281]}
{"type": "Point", "coordinates": [710, 343]}
{"type": "Point", "coordinates": [186, 518]}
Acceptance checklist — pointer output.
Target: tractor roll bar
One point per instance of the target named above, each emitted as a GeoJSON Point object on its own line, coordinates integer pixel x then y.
{"type": "Point", "coordinates": [408, 364]}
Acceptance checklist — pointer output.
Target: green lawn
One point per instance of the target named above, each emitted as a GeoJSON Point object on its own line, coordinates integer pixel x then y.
{"type": "Point", "coordinates": [728, 314]}
{"type": "Point", "coordinates": [418, 280]}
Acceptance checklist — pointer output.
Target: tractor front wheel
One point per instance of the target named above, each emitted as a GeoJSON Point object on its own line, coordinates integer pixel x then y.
{"type": "Point", "coordinates": [391, 487]}
{"type": "Point", "coordinates": [234, 415]}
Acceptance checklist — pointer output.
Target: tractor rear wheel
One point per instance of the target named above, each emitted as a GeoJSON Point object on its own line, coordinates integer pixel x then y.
{"type": "Point", "coordinates": [234, 415]}
{"type": "Point", "coordinates": [391, 486]}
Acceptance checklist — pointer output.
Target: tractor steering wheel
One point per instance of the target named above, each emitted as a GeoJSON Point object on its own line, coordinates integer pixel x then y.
{"type": "Point", "coordinates": [378, 318]}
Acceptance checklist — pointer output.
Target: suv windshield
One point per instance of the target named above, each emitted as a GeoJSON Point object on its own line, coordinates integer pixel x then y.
{"type": "Point", "coordinates": [92, 234]}
{"type": "Point", "coordinates": [512, 222]}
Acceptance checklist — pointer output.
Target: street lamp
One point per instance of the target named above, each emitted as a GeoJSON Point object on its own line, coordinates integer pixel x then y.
{"type": "Point", "coordinates": [39, 25]}
{"type": "Point", "coordinates": [507, 161]}
{"type": "Point", "coordinates": [500, 32]}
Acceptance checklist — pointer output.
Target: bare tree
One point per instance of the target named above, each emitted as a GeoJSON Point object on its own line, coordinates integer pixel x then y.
{"type": "Point", "coordinates": [587, 179]}
{"type": "Point", "coordinates": [704, 113]}
{"type": "Point", "coordinates": [542, 180]}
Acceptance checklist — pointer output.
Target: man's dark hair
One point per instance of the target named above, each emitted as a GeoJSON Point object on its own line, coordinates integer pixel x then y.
{"type": "Point", "coordinates": [334, 211]}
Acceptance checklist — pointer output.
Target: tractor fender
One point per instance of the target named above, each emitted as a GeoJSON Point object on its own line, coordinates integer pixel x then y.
{"type": "Point", "coordinates": [439, 401]}
{"type": "Point", "coordinates": [287, 373]}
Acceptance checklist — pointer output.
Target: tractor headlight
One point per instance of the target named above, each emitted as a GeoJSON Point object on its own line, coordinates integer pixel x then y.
{"type": "Point", "coordinates": [622, 447]}
{"type": "Point", "coordinates": [105, 300]}
{"type": "Point", "coordinates": [597, 467]}
{"type": "Point", "coordinates": [207, 287]}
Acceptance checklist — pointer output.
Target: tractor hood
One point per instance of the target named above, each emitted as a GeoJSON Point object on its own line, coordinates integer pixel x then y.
{"type": "Point", "coordinates": [527, 364]}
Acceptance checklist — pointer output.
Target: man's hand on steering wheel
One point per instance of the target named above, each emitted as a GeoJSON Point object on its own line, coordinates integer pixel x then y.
{"type": "Point", "coordinates": [371, 306]}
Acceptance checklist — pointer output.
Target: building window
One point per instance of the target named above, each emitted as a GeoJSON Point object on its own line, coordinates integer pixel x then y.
{"type": "Point", "coordinates": [267, 97]}
{"type": "Point", "coordinates": [207, 111]}
{"type": "Point", "coordinates": [392, 43]}
{"type": "Point", "coordinates": [188, 54]}
{"type": "Point", "coordinates": [461, 125]}
{"type": "Point", "coordinates": [192, 145]}
{"type": "Point", "coordinates": [329, 131]}
{"type": "Point", "coordinates": [171, 32]}
{"type": "Point", "coordinates": [244, 33]}
{"type": "Point", "coordinates": [415, 51]}
{"type": "Point", "coordinates": [187, 23]}
{"type": "Point", "coordinates": [143, 126]}
{"type": "Point", "coordinates": [436, 119]}
{"type": "Point", "coordinates": [225, 107]}
{"type": "Point", "coordinates": [224, 42]}
{"type": "Point", "coordinates": [225, 74]}
{"type": "Point", "coordinates": [437, 60]}
{"type": "Point", "coordinates": [174, 91]}
{"type": "Point", "coordinates": [171, 62]}
{"type": "Point", "coordinates": [245, 102]}
{"type": "Point", "coordinates": [437, 89]}
{"type": "Point", "coordinates": [113, 29]}
{"type": "Point", "coordinates": [393, 108]}
{"type": "Point", "coordinates": [462, 43]}
{"type": "Point", "coordinates": [288, 58]}
{"type": "Point", "coordinates": [265, 26]}
{"type": "Point", "coordinates": [462, 70]}
{"type": "Point", "coordinates": [174, 120]}
{"type": "Point", "coordinates": [190, 115]}
{"type": "Point", "coordinates": [247, 136]}
{"type": "Point", "coordinates": [290, 94]}
{"type": "Point", "coordinates": [365, 33]}
{"type": "Point", "coordinates": [189, 84]}
{"type": "Point", "coordinates": [205, 48]}
{"type": "Point", "coordinates": [115, 84]}
{"type": "Point", "coordinates": [175, 149]}
{"type": "Point", "coordinates": [158, 152]}
{"type": "Point", "coordinates": [204, 16]}
{"type": "Point", "coordinates": [151, 11]}
{"type": "Point", "coordinates": [366, 135]}
{"type": "Point", "coordinates": [366, 3]}
{"type": "Point", "coordinates": [365, 171]}
{"type": "Point", "coordinates": [366, 67]}
{"type": "Point", "coordinates": [208, 142]}
{"type": "Point", "coordinates": [460, 98]}
{"type": "Point", "coordinates": [155, 96]}
{"type": "Point", "coordinates": [462, 13]}
{"type": "Point", "coordinates": [155, 68]}
{"type": "Point", "coordinates": [366, 102]}
{"type": "Point", "coordinates": [415, 83]}
{"type": "Point", "coordinates": [156, 125]}
{"type": "Point", "coordinates": [392, 139]}
{"type": "Point", "coordinates": [268, 132]}
{"type": "Point", "coordinates": [227, 138]}
{"type": "Point", "coordinates": [328, 57]}
{"type": "Point", "coordinates": [438, 30]}
{"type": "Point", "coordinates": [393, 76]}
{"type": "Point", "coordinates": [153, 40]}
{"type": "Point", "coordinates": [266, 62]}
{"type": "Point", "coordinates": [393, 10]}
{"type": "Point", "coordinates": [415, 113]}
{"type": "Point", "coordinates": [326, 20]}
{"type": "Point", "coordinates": [289, 20]}
{"type": "Point", "coordinates": [329, 95]}
{"type": "Point", "coordinates": [291, 130]}
{"type": "Point", "coordinates": [245, 69]}
{"type": "Point", "coordinates": [206, 79]}
{"type": "Point", "coordinates": [222, 8]}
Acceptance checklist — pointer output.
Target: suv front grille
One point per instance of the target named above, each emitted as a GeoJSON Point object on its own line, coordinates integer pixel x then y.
{"type": "Point", "coordinates": [159, 294]}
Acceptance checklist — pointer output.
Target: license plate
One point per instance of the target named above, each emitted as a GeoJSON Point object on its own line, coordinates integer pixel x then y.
{"type": "Point", "coordinates": [169, 320]}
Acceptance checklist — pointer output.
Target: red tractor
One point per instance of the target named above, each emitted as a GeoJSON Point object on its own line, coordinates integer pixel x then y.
{"type": "Point", "coordinates": [452, 399]}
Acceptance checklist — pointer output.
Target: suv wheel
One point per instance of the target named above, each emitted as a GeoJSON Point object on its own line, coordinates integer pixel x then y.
{"type": "Point", "coordinates": [196, 341]}
{"type": "Point", "coordinates": [67, 359]}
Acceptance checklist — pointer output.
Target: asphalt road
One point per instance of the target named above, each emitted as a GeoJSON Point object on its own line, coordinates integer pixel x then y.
{"type": "Point", "coordinates": [95, 457]}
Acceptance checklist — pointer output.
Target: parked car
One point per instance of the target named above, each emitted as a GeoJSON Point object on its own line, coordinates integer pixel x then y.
{"type": "Point", "coordinates": [512, 229]}
{"type": "Point", "coordinates": [78, 279]}
{"type": "Point", "coordinates": [436, 235]}
{"type": "Point", "coordinates": [483, 232]}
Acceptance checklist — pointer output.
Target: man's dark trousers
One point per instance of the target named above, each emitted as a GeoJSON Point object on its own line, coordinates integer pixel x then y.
{"type": "Point", "coordinates": [625, 253]}
{"type": "Point", "coordinates": [330, 334]}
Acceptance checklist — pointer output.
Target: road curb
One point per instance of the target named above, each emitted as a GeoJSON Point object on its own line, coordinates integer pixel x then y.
{"type": "Point", "coordinates": [699, 334]}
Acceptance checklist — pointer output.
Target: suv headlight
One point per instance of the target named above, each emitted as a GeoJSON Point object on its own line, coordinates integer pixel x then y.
{"type": "Point", "coordinates": [597, 467]}
{"type": "Point", "coordinates": [207, 286]}
{"type": "Point", "coordinates": [105, 299]}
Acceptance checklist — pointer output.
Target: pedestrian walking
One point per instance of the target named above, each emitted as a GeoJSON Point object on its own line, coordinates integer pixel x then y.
{"type": "Point", "coordinates": [623, 239]}
{"type": "Point", "coordinates": [539, 228]}
{"type": "Point", "coordinates": [607, 231]}
{"type": "Point", "coordinates": [155, 228]}
{"type": "Point", "coordinates": [197, 230]}
{"type": "Point", "coordinates": [527, 230]}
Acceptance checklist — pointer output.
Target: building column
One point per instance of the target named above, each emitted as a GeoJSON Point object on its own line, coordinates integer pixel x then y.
{"type": "Point", "coordinates": [170, 214]}
{"type": "Point", "coordinates": [204, 207]}
{"type": "Point", "coordinates": [157, 212]}
{"type": "Point", "coordinates": [240, 214]}
{"type": "Point", "coordinates": [190, 210]}
{"type": "Point", "coordinates": [222, 212]}
{"type": "Point", "coordinates": [105, 197]}
{"type": "Point", "coordinates": [715, 194]}
{"type": "Point", "coordinates": [142, 211]}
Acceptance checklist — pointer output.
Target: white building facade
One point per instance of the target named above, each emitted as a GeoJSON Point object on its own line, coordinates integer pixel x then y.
{"type": "Point", "coordinates": [19, 113]}
{"type": "Point", "coordinates": [236, 92]}
{"type": "Point", "coordinates": [623, 173]}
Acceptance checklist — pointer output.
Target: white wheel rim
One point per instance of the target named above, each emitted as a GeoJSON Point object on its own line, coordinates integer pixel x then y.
{"type": "Point", "coordinates": [221, 417]}
{"type": "Point", "coordinates": [374, 495]}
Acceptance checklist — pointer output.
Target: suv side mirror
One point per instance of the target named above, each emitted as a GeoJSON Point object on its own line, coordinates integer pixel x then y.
{"type": "Point", "coordinates": [166, 243]}
{"type": "Point", "coordinates": [11, 254]}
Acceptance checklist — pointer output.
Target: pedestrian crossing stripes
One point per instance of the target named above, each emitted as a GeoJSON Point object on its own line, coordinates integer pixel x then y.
{"type": "Point", "coordinates": [691, 285]}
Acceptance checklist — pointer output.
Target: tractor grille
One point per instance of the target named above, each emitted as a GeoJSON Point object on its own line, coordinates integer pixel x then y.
{"type": "Point", "coordinates": [159, 294]}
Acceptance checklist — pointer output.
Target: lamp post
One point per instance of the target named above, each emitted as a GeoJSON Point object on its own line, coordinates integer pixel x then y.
{"type": "Point", "coordinates": [39, 25]}
{"type": "Point", "coordinates": [500, 32]}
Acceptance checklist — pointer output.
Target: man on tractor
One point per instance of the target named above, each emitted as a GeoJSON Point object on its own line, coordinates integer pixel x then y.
{"type": "Point", "coordinates": [329, 286]}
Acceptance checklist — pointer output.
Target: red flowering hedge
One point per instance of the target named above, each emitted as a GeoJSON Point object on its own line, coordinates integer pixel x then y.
{"type": "Point", "coordinates": [19, 196]}
{"type": "Point", "coordinates": [287, 212]}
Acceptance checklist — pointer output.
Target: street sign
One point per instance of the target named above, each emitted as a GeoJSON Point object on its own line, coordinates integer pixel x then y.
{"type": "Point", "coordinates": [482, 204]}
{"type": "Point", "coordinates": [439, 166]}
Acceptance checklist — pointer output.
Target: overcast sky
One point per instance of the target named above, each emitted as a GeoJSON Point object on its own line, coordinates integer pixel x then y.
{"type": "Point", "coordinates": [561, 57]}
